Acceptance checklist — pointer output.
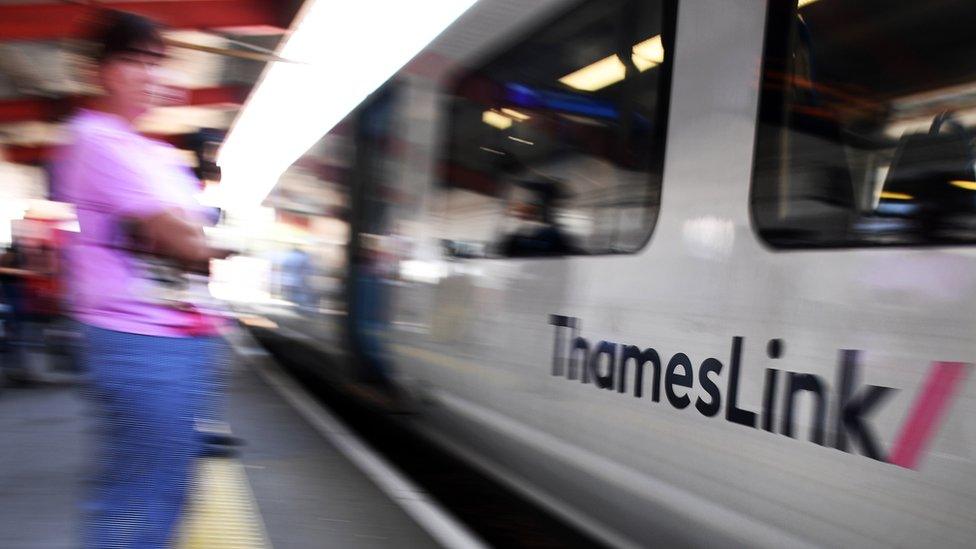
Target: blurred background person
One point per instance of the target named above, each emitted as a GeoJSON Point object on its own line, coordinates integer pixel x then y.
{"type": "Point", "coordinates": [12, 276]}
{"type": "Point", "coordinates": [147, 346]}
{"type": "Point", "coordinates": [296, 273]}
{"type": "Point", "coordinates": [372, 288]}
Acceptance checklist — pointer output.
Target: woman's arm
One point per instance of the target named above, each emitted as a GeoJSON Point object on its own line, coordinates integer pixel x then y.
{"type": "Point", "coordinates": [170, 235]}
{"type": "Point", "coordinates": [14, 272]}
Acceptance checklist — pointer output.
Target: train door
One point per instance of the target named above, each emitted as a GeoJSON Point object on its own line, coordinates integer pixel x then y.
{"type": "Point", "coordinates": [549, 186]}
{"type": "Point", "coordinates": [372, 260]}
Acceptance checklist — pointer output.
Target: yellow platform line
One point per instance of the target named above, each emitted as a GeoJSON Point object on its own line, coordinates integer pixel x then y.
{"type": "Point", "coordinates": [223, 513]}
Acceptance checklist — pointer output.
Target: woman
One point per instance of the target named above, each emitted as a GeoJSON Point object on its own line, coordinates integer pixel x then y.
{"type": "Point", "coordinates": [147, 348]}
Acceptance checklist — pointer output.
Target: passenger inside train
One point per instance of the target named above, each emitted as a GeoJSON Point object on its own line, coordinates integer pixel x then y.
{"type": "Point", "coordinates": [537, 234]}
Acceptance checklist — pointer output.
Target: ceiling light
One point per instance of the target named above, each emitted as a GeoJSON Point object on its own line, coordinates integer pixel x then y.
{"type": "Point", "coordinates": [520, 116]}
{"type": "Point", "coordinates": [801, 3]}
{"type": "Point", "coordinates": [523, 141]}
{"type": "Point", "coordinates": [649, 53]}
{"type": "Point", "coordinates": [601, 74]}
{"type": "Point", "coordinates": [341, 52]}
{"type": "Point", "coordinates": [610, 70]}
{"type": "Point", "coordinates": [895, 196]}
{"type": "Point", "coordinates": [497, 120]}
{"type": "Point", "coordinates": [963, 184]}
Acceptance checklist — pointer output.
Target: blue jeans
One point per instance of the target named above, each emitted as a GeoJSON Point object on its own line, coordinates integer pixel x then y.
{"type": "Point", "coordinates": [146, 392]}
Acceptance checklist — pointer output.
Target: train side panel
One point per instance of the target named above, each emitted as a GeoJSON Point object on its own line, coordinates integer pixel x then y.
{"type": "Point", "coordinates": [722, 456]}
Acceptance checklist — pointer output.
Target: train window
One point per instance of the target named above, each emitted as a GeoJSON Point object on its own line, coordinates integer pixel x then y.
{"type": "Point", "coordinates": [867, 121]}
{"type": "Point", "coordinates": [555, 146]}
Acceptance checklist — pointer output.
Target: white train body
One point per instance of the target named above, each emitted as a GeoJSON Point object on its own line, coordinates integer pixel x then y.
{"type": "Point", "coordinates": [867, 437]}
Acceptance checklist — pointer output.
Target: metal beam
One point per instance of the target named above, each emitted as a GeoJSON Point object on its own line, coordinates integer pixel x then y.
{"type": "Point", "coordinates": [46, 110]}
{"type": "Point", "coordinates": [62, 20]}
{"type": "Point", "coordinates": [23, 110]}
{"type": "Point", "coordinates": [218, 95]}
{"type": "Point", "coordinates": [39, 155]}
{"type": "Point", "coordinates": [32, 155]}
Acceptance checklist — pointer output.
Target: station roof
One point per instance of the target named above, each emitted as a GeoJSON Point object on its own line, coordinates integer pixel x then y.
{"type": "Point", "coordinates": [217, 49]}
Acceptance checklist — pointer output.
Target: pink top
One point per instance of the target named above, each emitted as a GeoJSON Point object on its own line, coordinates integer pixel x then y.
{"type": "Point", "coordinates": [113, 175]}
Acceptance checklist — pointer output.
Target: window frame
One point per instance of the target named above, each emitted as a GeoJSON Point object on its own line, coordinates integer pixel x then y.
{"type": "Point", "coordinates": [776, 37]}
{"type": "Point", "coordinates": [519, 39]}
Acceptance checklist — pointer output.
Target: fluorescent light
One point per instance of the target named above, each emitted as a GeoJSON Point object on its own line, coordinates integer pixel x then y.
{"type": "Point", "coordinates": [525, 141]}
{"type": "Point", "coordinates": [801, 3]}
{"type": "Point", "coordinates": [649, 53]}
{"type": "Point", "coordinates": [520, 116]}
{"type": "Point", "coordinates": [895, 196]}
{"type": "Point", "coordinates": [340, 52]}
{"type": "Point", "coordinates": [492, 151]}
{"type": "Point", "coordinates": [962, 184]}
{"type": "Point", "coordinates": [497, 120]}
{"type": "Point", "coordinates": [610, 70]}
{"type": "Point", "coordinates": [601, 74]}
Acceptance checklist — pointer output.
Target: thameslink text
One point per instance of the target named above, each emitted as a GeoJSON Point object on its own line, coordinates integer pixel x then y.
{"type": "Point", "coordinates": [606, 363]}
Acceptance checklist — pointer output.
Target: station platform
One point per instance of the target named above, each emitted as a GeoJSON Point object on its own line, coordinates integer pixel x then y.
{"type": "Point", "coordinates": [301, 481]}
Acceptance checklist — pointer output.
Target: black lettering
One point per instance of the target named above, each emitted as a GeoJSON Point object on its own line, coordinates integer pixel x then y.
{"type": "Point", "coordinates": [851, 408]}
{"type": "Point", "coordinates": [811, 383]}
{"type": "Point", "coordinates": [684, 379]}
{"type": "Point", "coordinates": [769, 399]}
{"type": "Point", "coordinates": [709, 409]}
{"type": "Point", "coordinates": [632, 352]}
{"type": "Point", "coordinates": [732, 412]}
{"type": "Point", "coordinates": [558, 360]}
{"type": "Point", "coordinates": [603, 381]}
{"type": "Point", "coordinates": [577, 363]}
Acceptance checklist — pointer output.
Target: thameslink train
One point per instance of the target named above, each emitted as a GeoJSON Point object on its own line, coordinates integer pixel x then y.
{"type": "Point", "coordinates": [684, 272]}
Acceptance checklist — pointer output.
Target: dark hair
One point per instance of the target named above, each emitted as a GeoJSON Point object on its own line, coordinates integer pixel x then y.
{"type": "Point", "coordinates": [121, 32]}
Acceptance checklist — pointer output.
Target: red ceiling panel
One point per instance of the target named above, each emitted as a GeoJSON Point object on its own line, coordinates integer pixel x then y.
{"type": "Point", "coordinates": [71, 20]}
{"type": "Point", "coordinates": [22, 110]}
{"type": "Point", "coordinates": [20, 154]}
{"type": "Point", "coordinates": [38, 155]}
{"type": "Point", "coordinates": [42, 109]}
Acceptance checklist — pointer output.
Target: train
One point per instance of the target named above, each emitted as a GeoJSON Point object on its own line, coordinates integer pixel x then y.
{"type": "Point", "coordinates": [683, 272]}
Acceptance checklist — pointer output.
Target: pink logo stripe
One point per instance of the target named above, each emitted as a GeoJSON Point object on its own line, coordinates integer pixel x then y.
{"type": "Point", "coordinates": [930, 406]}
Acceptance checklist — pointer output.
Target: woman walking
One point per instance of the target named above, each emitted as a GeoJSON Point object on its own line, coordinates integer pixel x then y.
{"type": "Point", "coordinates": [147, 348]}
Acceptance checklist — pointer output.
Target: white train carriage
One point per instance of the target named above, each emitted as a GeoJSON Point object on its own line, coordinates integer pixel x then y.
{"type": "Point", "coordinates": [691, 272]}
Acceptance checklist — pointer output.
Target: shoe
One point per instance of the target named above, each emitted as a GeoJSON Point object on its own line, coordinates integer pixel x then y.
{"type": "Point", "coordinates": [19, 378]}
{"type": "Point", "coordinates": [222, 439]}
{"type": "Point", "coordinates": [218, 451]}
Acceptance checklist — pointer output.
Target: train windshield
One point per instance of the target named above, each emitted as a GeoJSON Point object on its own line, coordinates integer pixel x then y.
{"type": "Point", "coordinates": [867, 124]}
{"type": "Point", "coordinates": [556, 143]}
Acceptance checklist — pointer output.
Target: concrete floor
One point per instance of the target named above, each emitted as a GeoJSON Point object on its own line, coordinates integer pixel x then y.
{"type": "Point", "coordinates": [307, 493]}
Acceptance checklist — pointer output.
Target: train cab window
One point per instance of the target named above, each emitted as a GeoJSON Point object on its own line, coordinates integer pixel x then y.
{"type": "Point", "coordinates": [555, 145]}
{"type": "Point", "coordinates": [867, 121]}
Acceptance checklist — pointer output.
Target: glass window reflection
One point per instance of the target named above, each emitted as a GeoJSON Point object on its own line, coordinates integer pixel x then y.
{"type": "Point", "coordinates": [866, 128]}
